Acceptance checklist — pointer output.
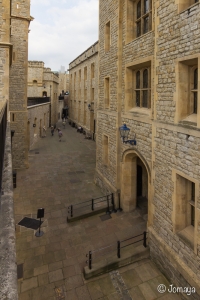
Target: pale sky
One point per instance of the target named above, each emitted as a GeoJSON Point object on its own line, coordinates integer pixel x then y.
{"type": "Point", "coordinates": [62, 30]}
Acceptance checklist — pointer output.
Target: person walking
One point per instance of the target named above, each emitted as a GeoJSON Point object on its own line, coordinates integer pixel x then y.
{"type": "Point", "coordinates": [60, 134]}
{"type": "Point", "coordinates": [64, 123]}
{"type": "Point", "coordinates": [44, 131]}
{"type": "Point", "coordinates": [52, 130]}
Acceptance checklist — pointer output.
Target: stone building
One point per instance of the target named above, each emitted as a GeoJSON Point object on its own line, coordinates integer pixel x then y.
{"type": "Point", "coordinates": [63, 82]}
{"type": "Point", "coordinates": [149, 57]}
{"type": "Point", "coordinates": [14, 26]}
{"type": "Point", "coordinates": [83, 87]}
{"type": "Point", "coordinates": [42, 82]}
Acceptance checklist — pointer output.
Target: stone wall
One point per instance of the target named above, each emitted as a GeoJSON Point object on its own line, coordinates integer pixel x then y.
{"type": "Point", "coordinates": [60, 108]}
{"type": "Point", "coordinates": [20, 19]}
{"type": "Point", "coordinates": [8, 270]}
{"type": "Point", "coordinates": [166, 132]}
{"type": "Point", "coordinates": [37, 115]}
{"type": "Point", "coordinates": [83, 89]}
{"type": "Point", "coordinates": [43, 82]}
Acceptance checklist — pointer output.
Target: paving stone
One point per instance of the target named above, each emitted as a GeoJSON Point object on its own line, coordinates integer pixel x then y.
{"type": "Point", "coordinates": [55, 275]}
{"type": "Point", "coordinates": [69, 271]}
{"type": "Point", "coordinates": [43, 279]}
{"type": "Point", "coordinates": [73, 282]}
{"type": "Point", "coordinates": [41, 270]}
{"type": "Point", "coordinates": [55, 266]}
{"type": "Point", "coordinates": [147, 271]}
{"type": "Point", "coordinates": [29, 284]}
{"type": "Point", "coordinates": [82, 293]}
{"type": "Point", "coordinates": [147, 291]}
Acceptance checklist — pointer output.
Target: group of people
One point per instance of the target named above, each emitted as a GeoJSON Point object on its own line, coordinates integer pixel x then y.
{"type": "Point", "coordinates": [60, 134]}
{"type": "Point", "coordinates": [53, 128]}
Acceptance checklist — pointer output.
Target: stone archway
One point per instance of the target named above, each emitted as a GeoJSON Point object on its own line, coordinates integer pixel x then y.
{"type": "Point", "coordinates": [134, 181]}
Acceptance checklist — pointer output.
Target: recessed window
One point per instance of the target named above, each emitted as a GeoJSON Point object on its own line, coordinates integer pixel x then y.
{"type": "Point", "coordinates": [142, 91]}
{"type": "Point", "coordinates": [105, 150]}
{"type": "Point", "coordinates": [184, 209]}
{"type": "Point", "coordinates": [92, 70]}
{"type": "Point", "coordinates": [107, 92]}
{"type": "Point", "coordinates": [143, 23]}
{"type": "Point", "coordinates": [187, 104]}
{"type": "Point", "coordinates": [139, 18]}
{"type": "Point", "coordinates": [195, 90]}
{"type": "Point", "coordinates": [107, 37]}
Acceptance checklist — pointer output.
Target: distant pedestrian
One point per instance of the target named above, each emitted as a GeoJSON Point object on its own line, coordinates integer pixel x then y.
{"type": "Point", "coordinates": [60, 134]}
{"type": "Point", "coordinates": [52, 130]}
{"type": "Point", "coordinates": [44, 131]}
{"type": "Point", "coordinates": [64, 123]}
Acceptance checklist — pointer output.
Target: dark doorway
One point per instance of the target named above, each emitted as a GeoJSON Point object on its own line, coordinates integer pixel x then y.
{"type": "Point", "coordinates": [139, 181]}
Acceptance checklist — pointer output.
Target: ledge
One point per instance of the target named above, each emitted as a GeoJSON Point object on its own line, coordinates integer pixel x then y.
{"type": "Point", "coordinates": [8, 269]}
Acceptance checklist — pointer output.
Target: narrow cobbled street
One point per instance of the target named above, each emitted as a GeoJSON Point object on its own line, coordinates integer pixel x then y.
{"type": "Point", "coordinates": [51, 266]}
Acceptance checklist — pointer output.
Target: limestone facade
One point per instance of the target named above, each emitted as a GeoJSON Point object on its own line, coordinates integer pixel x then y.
{"type": "Point", "coordinates": [83, 87]}
{"type": "Point", "coordinates": [38, 117]}
{"type": "Point", "coordinates": [63, 82]}
{"type": "Point", "coordinates": [149, 79]}
{"type": "Point", "coordinates": [16, 21]}
{"type": "Point", "coordinates": [43, 82]}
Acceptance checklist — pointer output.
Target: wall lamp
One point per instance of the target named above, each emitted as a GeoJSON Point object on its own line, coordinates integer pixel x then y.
{"type": "Point", "coordinates": [89, 106]}
{"type": "Point", "coordinates": [124, 132]}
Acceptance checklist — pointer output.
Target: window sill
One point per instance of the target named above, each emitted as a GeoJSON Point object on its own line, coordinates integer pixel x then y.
{"type": "Point", "coordinates": [138, 37]}
{"type": "Point", "coordinates": [190, 120]}
{"type": "Point", "coordinates": [188, 8]}
{"type": "Point", "coordinates": [140, 111]}
{"type": "Point", "coordinates": [187, 236]}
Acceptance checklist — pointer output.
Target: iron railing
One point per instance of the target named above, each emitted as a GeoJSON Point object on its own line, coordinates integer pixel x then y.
{"type": "Point", "coordinates": [116, 247]}
{"type": "Point", "coordinates": [92, 205]}
{"type": "Point", "coordinates": [3, 124]}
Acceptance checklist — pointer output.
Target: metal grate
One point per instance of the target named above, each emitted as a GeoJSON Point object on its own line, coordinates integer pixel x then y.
{"type": "Point", "coordinates": [30, 223]}
{"type": "Point", "coordinates": [20, 271]}
{"type": "Point", "coordinates": [105, 217]}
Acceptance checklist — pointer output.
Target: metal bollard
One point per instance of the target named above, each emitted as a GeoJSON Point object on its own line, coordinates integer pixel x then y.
{"type": "Point", "coordinates": [92, 204]}
{"type": "Point", "coordinates": [145, 239]}
{"type": "Point", "coordinates": [108, 207]}
{"type": "Point", "coordinates": [90, 260]}
{"type": "Point", "coordinates": [118, 249]}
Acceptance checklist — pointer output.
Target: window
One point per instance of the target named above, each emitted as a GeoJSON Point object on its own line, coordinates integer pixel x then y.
{"type": "Point", "coordinates": [187, 100]}
{"type": "Point", "coordinates": [107, 37]}
{"type": "Point", "coordinates": [92, 70]}
{"type": "Point", "coordinates": [107, 92]}
{"type": "Point", "coordinates": [143, 23]}
{"type": "Point", "coordinates": [139, 18]}
{"type": "Point", "coordinates": [142, 91]}
{"type": "Point", "coordinates": [195, 90]}
{"type": "Point", "coordinates": [138, 86]}
{"type": "Point", "coordinates": [105, 150]}
{"type": "Point", "coordinates": [184, 209]}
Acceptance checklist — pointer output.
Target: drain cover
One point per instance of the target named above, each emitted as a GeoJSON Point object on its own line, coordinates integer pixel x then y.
{"type": "Point", "coordinates": [105, 217]}
{"type": "Point", "coordinates": [30, 223]}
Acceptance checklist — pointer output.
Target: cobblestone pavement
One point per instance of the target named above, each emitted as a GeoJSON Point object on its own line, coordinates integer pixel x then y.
{"type": "Point", "coordinates": [61, 173]}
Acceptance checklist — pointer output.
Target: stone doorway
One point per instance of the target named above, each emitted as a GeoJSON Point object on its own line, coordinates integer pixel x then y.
{"type": "Point", "coordinates": [135, 181]}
